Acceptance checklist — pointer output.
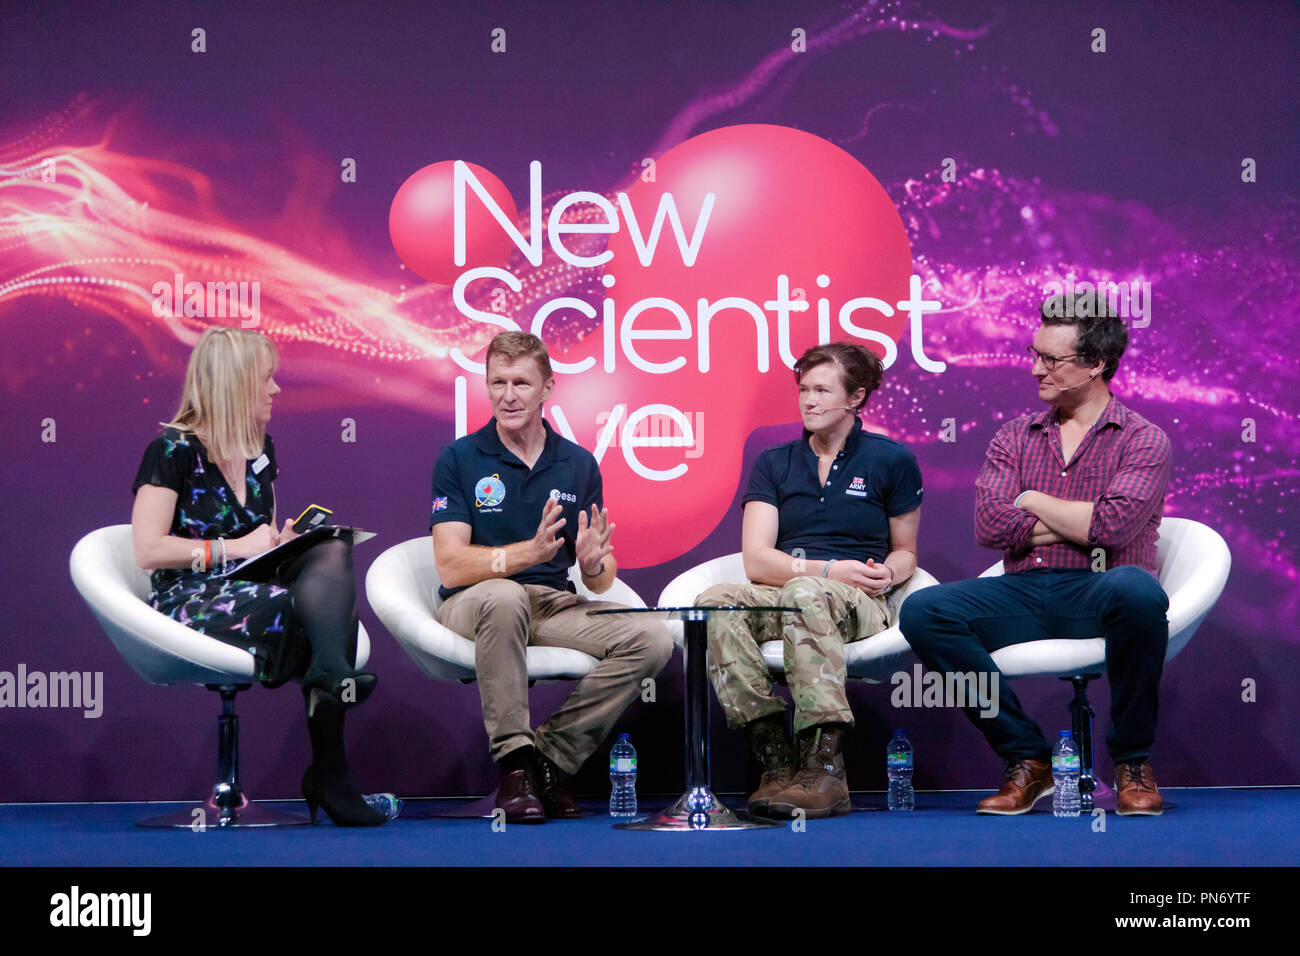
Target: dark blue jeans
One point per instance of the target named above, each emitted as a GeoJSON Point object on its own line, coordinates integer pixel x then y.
{"type": "Point", "coordinates": [953, 628]}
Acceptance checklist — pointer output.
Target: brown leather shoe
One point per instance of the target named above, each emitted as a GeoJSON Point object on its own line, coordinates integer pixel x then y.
{"type": "Point", "coordinates": [517, 796]}
{"type": "Point", "coordinates": [820, 788]}
{"type": "Point", "coordinates": [555, 799]}
{"type": "Point", "coordinates": [1135, 789]}
{"type": "Point", "coordinates": [769, 739]}
{"type": "Point", "coordinates": [1026, 782]}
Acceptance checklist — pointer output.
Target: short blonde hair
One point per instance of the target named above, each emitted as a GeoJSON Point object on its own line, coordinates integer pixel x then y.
{"type": "Point", "coordinates": [223, 386]}
{"type": "Point", "coordinates": [512, 346]}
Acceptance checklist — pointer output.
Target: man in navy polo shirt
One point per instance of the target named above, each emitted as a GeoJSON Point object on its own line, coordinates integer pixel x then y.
{"type": "Point", "coordinates": [830, 526]}
{"type": "Point", "coordinates": [514, 507]}
{"type": "Point", "coordinates": [1073, 497]}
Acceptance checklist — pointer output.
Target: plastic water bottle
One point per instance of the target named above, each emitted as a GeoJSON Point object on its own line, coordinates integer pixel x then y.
{"type": "Point", "coordinates": [389, 804]}
{"type": "Point", "coordinates": [898, 761]}
{"type": "Point", "coordinates": [1065, 776]}
{"type": "Point", "coordinates": [622, 778]}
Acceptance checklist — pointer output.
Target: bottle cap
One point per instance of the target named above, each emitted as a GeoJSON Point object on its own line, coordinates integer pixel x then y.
{"type": "Point", "coordinates": [623, 736]}
{"type": "Point", "coordinates": [1065, 733]}
{"type": "Point", "coordinates": [898, 733]}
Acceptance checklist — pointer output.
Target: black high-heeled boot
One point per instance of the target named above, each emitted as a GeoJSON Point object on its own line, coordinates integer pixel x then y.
{"type": "Point", "coordinates": [341, 801]}
{"type": "Point", "coordinates": [326, 783]}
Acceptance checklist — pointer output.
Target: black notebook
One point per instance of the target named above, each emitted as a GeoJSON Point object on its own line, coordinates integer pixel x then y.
{"type": "Point", "coordinates": [265, 566]}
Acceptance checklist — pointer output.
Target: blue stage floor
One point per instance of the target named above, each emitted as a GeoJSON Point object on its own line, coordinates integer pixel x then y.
{"type": "Point", "coordinates": [1208, 827]}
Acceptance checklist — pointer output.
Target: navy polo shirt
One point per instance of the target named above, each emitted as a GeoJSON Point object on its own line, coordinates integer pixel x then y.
{"type": "Point", "coordinates": [872, 479]}
{"type": "Point", "coordinates": [481, 483]}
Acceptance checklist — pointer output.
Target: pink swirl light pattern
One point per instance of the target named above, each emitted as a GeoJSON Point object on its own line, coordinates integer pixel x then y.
{"type": "Point", "coordinates": [1217, 352]}
{"type": "Point", "coordinates": [100, 229]}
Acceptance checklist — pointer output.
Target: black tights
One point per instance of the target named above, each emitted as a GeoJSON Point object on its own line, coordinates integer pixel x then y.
{"type": "Point", "coordinates": [323, 593]}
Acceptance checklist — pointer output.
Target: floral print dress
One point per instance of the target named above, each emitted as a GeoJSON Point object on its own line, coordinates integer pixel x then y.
{"type": "Point", "coordinates": [257, 617]}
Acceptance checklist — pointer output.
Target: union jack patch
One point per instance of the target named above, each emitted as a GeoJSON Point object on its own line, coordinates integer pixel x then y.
{"type": "Point", "coordinates": [439, 504]}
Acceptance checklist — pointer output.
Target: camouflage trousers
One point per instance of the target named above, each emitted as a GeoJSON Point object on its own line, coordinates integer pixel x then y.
{"type": "Point", "coordinates": [834, 614]}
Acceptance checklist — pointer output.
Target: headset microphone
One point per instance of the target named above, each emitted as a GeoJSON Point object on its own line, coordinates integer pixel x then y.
{"type": "Point", "coordinates": [1066, 388]}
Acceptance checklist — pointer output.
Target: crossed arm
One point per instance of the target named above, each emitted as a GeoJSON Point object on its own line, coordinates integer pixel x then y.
{"type": "Point", "coordinates": [1058, 519]}
{"type": "Point", "coordinates": [1016, 519]}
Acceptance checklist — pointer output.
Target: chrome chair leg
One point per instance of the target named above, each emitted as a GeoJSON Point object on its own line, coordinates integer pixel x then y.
{"type": "Point", "coordinates": [1081, 714]}
{"type": "Point", "coordinates": [228, 807]}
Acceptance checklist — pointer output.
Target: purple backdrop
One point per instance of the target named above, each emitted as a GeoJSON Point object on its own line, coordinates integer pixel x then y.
{"type": "Point", "coordinates": [1127, 162]}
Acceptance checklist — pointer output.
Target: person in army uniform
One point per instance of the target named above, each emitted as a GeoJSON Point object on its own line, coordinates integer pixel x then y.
{"type": "Point", "coordinates": [830, 527]}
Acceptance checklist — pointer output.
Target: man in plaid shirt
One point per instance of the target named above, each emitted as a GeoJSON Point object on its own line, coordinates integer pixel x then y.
{"type": "Point", "coordinates": [1073, 497]}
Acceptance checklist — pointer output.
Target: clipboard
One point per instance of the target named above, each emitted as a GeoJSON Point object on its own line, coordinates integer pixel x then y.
{"type": "Point", "coordinates": [264, 566]}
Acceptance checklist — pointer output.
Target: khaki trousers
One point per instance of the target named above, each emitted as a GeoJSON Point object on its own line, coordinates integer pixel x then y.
{"type": "Point", "coordinates": [503, 617]}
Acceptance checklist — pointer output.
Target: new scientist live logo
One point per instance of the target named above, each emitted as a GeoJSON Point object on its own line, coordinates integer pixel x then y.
{"type": "Point", "coordinates": [737, 244]}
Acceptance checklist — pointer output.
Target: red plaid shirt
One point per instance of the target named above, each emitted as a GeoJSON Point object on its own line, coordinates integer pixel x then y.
{"type": "Point", "coordinates": [1121, 466]}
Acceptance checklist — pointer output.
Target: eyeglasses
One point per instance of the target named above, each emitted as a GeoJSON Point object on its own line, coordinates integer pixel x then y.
{"type": "Point", "coordinates": [1050, 361]}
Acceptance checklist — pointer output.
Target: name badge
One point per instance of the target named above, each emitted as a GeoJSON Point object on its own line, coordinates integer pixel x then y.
{"type": "Point", "coordinates": [260, 464]}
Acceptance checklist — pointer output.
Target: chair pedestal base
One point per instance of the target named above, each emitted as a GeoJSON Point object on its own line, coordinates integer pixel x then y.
{"type": "Point", "coordinates": [229, 807]}
{"type": "Point", "coordinates": [1081, 714]}
{"type": "Point", "coordinates": [201, 816]}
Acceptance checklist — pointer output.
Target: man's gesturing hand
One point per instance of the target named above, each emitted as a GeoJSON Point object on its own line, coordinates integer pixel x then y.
{"type": "Point", "coordinates": [593, 541]}
{"type": "Point", "coordinates": [547, 541]}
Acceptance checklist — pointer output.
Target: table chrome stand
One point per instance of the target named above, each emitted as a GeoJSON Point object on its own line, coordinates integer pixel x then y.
{"type": "Point", "coordinates": [698, 808]}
